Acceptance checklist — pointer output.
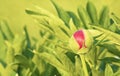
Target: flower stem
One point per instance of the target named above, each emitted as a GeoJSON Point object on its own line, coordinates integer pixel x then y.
{"type": "Point", "coordinates": [84, 65]}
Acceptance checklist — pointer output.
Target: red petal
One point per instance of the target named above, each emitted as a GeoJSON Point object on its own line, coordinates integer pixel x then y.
{"type": "Point", "coordinates": [79, 37]}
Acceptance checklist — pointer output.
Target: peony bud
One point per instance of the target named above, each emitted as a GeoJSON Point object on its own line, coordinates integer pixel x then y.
{"type": "Point", "coordinates": [81, 41]}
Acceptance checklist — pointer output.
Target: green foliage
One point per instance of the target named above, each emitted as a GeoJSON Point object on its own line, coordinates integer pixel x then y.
{"type": "Point", "coordinates": [92, 12]}
{"type": "Point", "coordinates": [50, 55]}
{"type": "Point", "coordinates": [62, 14]}
{"type": "Point", "coordinates": [108, 71]}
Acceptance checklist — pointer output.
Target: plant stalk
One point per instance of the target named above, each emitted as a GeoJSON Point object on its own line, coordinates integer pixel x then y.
{"type": "Point", "coordinates": [84, 65]}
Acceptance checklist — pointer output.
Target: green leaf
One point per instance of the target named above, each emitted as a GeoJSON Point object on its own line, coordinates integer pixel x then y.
{"type": "Point", "coordinates": [30, 12]}
{"type": "Point", "coordinates": [19, 44]}
{"type": "Point", "coordinates": [40, 64]}
{"type": "Point", "coordinates": [62, 14]}
{"type": "Point", "coordinates": [110, 59]}
{"type": "Point", "coordinates": [2, 53]}
{"type": "Point", "coordinates": [101, 52]}
{"type": "Point", "coordinates": [115, 18]}
{"type": "Point", "coordinates": [97, 72]}
{"type": "Point", "coordinates": [117, 73]}
{"type": "Point", "coordinates": [39, 12]}
{"type": "Point", "coordinates": [78, 71]}
{"type": "Point", "coordinates": [8, 71]}
{"type": "Point", "coordinates": [27, 38]}
{"type": "Point", "coordinates": [65, 31]}
{"type": "Point", "coordinates": [24, 71]}
{"type": "Point", "coordinates": [113, 37]}
{"type": "Point", "coordinates": [54, 62]}
{"type": "Point", "coordinates": [48, 20]}
{"type": "Point", "coordinates": [22, 60]}
{"type": "Point", "coordinates": [113, 27]}
{"type": "Point", "coordinates": [50, 70]}
{"type": "Point", "coordinates": [67, 63]}
{"type": "Point", "coordinates": [91, 57]}
{"type": "Point", "coordinates": [10, 53]}
{"type": "Point", "coordinates": [108, 70]}
{"type": "Point", "coordinates": [75, 19]}
{"type": "Point", "coordinates": [104, 17]}
{"type": "Point", "coordinates": [73, 28]}
{"type": "Point", "coordinates": [92, 12]}
{"type": "Point", "coordinates": [84, 17]}
{"type": "Point", "coordinates": [1, 69]}
{"type": "Point", "coordinates": [95, 33]}
{"type": "Point", "coordinates": [46, 24]}
{"type": "Point", "coordinates": [112, 49]}
{"type": "Point", "coordinates": [6, 31]}
{"type": "Point", "coordinates": [26, 52]}
{"type": "Point", "coordinates": [42, 33]}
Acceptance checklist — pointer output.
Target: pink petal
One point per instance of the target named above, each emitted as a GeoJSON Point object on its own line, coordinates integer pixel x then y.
{"type": "Point", "coordinates": [79, 37]}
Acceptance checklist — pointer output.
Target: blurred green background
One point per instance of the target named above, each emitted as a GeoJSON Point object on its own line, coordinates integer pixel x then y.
{"type": "Point", "coordinates": [14, 10]}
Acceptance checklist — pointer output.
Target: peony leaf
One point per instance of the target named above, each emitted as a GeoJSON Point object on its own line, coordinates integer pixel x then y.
{"type": "Point", "coordinates": [110, 59]}
{"type": "Point", "coordinates": [112, 49]}
{"type": "Point", "coordinates": [104, 17]}
{"type": "Point", "coordinates": [22, 60]}
{"type": "Point", "coordinates": [117, 73]}
{"type": "Point", "coordinates": [75, 19]}
{"type": "Point", "coordinates": [1, 69]}
{"type": "Point", "coordinates": [18, 44]}
{"type": "Point", "coordinates": [6, 31]}
{"type": "Point", "coordinates": [91, 9]}
{"type": "Point", "coordinates": [54, 62]}
{"type": "Point", "coordinates": [78, 71]}
{"type": "Point", "coordinates": [30, 12]}
{"type": "Point", "coordinates": [27, 38]}
{"type": "Point", "coordinates": [113, 37]}
{"type": "Point", "coordinates": [65, 31]}
{"type": "Point", "coordinates": [10, 53]}
{"type": "Point", "coordinates": [62, 14]}
{"type": "Point", "coordinates": [84, 17]}
{"type": "Point", "coordinates": [115, 18]}
{"type": "Point", "coordinates": [108, 70]}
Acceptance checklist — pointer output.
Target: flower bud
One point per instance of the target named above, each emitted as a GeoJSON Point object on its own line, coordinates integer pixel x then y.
{"type": "Point", "coordinates": [81, 41]}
